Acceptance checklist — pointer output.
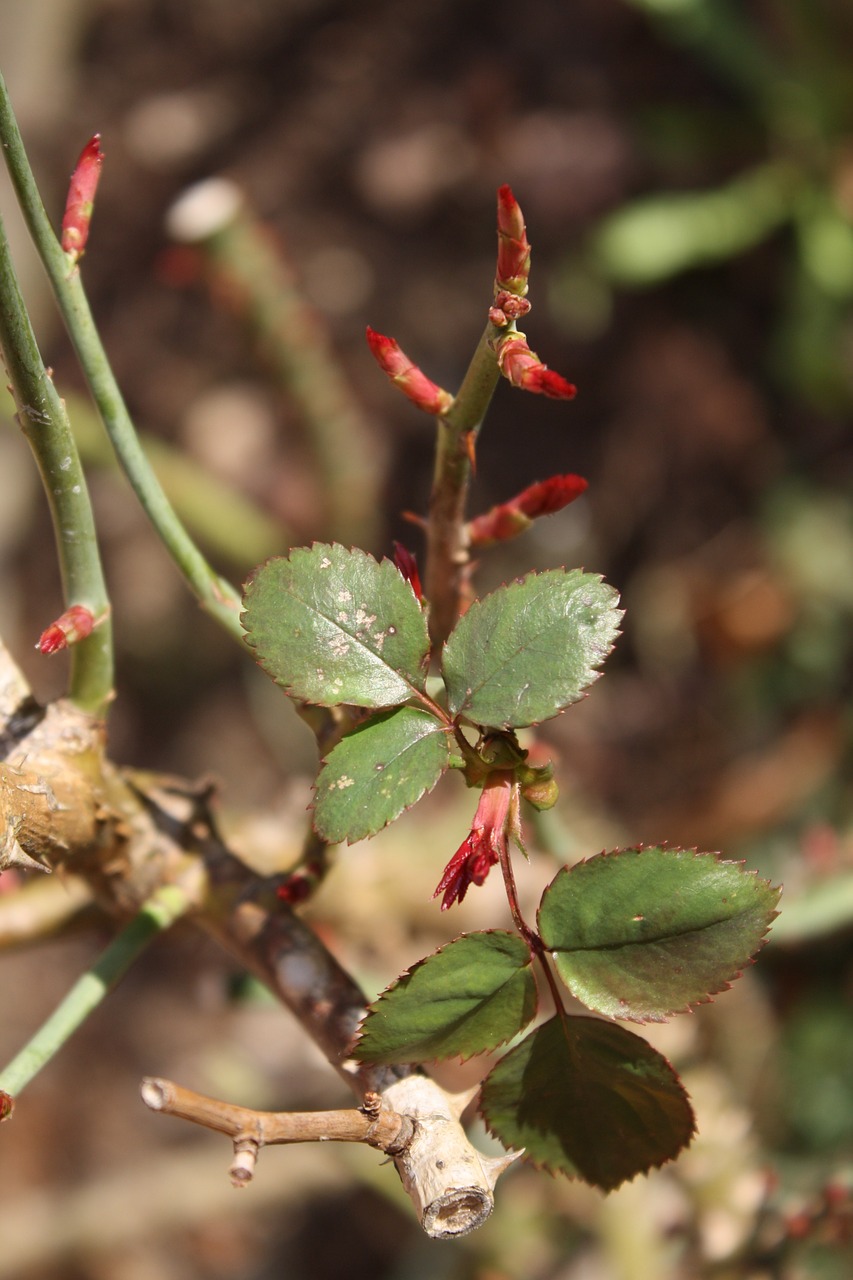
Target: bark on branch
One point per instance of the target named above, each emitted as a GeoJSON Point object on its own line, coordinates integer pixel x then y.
{"type": "Point", "coordinates": [125, 834]}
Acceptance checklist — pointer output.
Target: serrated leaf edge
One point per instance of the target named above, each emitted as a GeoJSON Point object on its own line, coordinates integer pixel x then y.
{"type": "Point", "coordinates": [249, 585]}
{"type": "Point", "coordinates": [312, 807]}
{"type": "Point", "coordinates": [595, 674]}
{"type": "Point", "coordinates": [727, 983]}
{"type": "Point", "coordinates": [353, 1051]}
{"type": "Point", "coordinates": [543, 1165]}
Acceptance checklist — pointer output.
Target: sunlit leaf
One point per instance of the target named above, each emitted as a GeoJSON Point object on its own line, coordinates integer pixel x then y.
{"type": "Point", "coordinates": [530, 649]}
{"type": "Point", "coordinates": [645, 933]}
{"type": "Point", "coordinates": [377, 771]}
{"type": "Point", "coordinates": [472, 995]}
{"type": "Point", "coordinates": [334, 626]}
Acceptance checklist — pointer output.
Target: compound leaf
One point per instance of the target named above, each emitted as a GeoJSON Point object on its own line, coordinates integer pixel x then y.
{"type": "Point", "coordinates": [374, 773]}
{"type": "Point", "coordinates": [523, 653]}
{"type": "Point", "coordinates": [645, 933]}
{"type": "Point", "coordinates": [588, 1099]}
{"type": "Point", "coordinates": [472, 995]}
{"type": "Point", "coordinates": [332, 625]}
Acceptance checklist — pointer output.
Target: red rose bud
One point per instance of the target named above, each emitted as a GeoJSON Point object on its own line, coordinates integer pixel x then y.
{"type": "Point", "coordinates": [523, 368]}
{"type": "Point", "coordinates": [407, 376]}
{"type": "Point", "coordinates": [7, 1105]}
{"type": "Point", "coordinates": [482, 847]}
{"type": "Point", "coordinates": [408, 566]}
{"type": "Point", "coordinates": [547, 496]}
{"type": "Point", "coordinates": [75, 624]}
{"type": "Point", "coordinates": [513, 247]}
{"type": "Point", "coordinates": [81, 198]}
{"type": "Point", "coordinates": [511, 518]}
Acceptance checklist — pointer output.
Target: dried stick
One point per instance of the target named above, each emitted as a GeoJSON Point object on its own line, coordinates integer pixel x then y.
{"type": "Point", "coordinates": [451, 1184]}
{"type": "Point", "coordinates": [251, 1130]}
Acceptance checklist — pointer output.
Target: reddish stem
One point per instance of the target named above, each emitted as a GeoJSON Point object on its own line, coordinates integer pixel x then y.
{"type": "Point", "coordinates": [530, 936]}
{"type": "Point", "coordinates": [534, 942]}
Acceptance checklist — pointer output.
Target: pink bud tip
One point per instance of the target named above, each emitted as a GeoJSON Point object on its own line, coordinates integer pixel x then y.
{"type": "Point", "coordinates": [74, 625]}
{"type": "Point", "coordinates": [407, 376]}
{"type": "Point", "coordinates": [510, 219]}
{"type": "Point", "coordinates": [513, 246]}
{"type": "Point", "coordinates": [408, 566]}
{"type": "Point", "coordinates": [551, 495]}
{"type": "Point", "coordinates": [81, 198]}
{"type": "Point", "coordinates": [549, 383]}
{"type": "Point", "coordinates": [513, 517]}
{"type": "Point", "coordinates": [523, 368]}
{"type": "Point", "coordinates": [386, 352]}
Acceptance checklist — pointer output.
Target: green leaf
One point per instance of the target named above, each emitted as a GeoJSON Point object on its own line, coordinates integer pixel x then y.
{"type": "Point", "coordinates": [333, 626]}
{"type": "Point", "coordinates": [645, 933]}
{"type": "Point", "coordinates": [529, 649]}
{"type": "Point", "coordinates": [472, 995]}
{"type": "Point", "coordinates": [588, 1099]}
{"type": "Point", "coordinates": [381, 768]}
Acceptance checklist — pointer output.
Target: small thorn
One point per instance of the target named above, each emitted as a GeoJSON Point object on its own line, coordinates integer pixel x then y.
{"type": "Point", "coordinates": [12, 855]}
{"type": "Point", "coordinates": [470, 441]}
{"type": "Point", "coordinates": [494, 1166]}
{"type": "Point", "coordinates": [459, 1101]}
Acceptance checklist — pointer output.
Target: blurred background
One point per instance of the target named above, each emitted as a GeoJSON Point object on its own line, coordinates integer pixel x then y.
{"type": "Point", "coordinates": [686, 172]}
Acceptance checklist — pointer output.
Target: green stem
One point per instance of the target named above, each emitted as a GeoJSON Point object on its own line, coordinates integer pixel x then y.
{"type": "Point", "coordinates": [447, 541]}
{"type": "Point", "coordinates": [161, 911]}
{"type": "Point", "coordinates": [44, 422]}
{"type": "Point", "coordinates": [216, 595]}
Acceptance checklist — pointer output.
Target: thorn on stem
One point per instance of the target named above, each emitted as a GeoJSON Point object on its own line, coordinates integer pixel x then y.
{"type": "Point", "coordinates": [11, 853]}
{"type": "Point", "coordinates": [470, 442]}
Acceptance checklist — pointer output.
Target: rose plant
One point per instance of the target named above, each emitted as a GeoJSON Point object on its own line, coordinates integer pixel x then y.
{"type": "Point", "coordinates": [402, 681]}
